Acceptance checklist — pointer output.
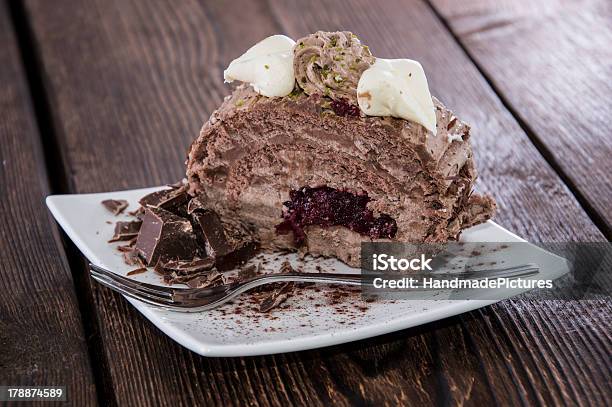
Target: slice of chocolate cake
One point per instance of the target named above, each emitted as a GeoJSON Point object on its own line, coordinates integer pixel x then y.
{"type": "Point", "coordinates": [349, 155]}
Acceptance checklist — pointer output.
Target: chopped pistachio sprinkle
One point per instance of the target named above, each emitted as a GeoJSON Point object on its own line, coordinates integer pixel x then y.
{"type": "Point", "coordinates": [295, 92]}
{"type": "Point", "coordinates": [267, 66]}
{"type": "Point", "coordinates": [334, 69]}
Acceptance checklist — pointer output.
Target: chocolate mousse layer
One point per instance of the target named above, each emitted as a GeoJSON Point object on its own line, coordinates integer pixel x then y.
{"type": "Point", "coordinates": [255, 150]}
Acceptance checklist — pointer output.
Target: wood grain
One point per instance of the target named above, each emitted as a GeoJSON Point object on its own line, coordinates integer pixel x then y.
{"type": "Point", "coordinates": [132, 81]}
{"type": "Point", "coordinates": [41, 336]}
{"type": "Point", "coordinates": [514, 172]}
{"type": "Point", "coordinates": [552, 62]}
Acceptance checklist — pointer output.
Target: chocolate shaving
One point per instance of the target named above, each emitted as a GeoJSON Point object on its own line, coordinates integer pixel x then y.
{"type": "Point", "coordinates": [129, 246]}
{"type": "Point", "coordinates": [187, 267]}
{"type": "Point", "coordinates": [247, 273]}
{"type": "Point", "coordinates": [115, 206]}
{"type": "Point", "coordinates": [131, 258]}
{"type": "Point", "coordinates": [211, 280]}
{"type": "Point", "coordinates": [277, 297]}
{"type": "Point", "coordinates": [286, 267]}
{"type": "Point", "coordinates": [178, 184]}
{"type": "Point", "coordinates": [183, 271]}
{"type": "Point", "coordinates": [174, 278]}
{"type": "Point", "coordinates": [139, 213]}
{"type": "Point", "coordinates": [159, 268]}
{"type": "Point", "coordinates": [137, 271]}
{"type": "Point", "coordinates": [126, 230]}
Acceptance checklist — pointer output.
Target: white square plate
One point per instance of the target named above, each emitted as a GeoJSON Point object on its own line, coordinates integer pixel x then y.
{"type": "Point", "coordinates": [312, 319]}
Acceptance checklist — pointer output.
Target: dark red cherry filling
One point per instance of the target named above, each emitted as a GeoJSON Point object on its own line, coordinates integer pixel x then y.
{"type": "Point", "coordinates": [325, 206]}
{"type": "Point", "coordinates": [343, 108]}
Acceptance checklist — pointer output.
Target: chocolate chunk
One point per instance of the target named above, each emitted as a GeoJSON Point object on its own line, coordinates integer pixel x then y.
{"type": "Point", "coordinates": [196, 204]}
{"type": "Point", "coordinates": [277, 297]}
{"type": "Point", "coordinates": [137, 271]}
{"type": "Point", "coordinates": [165, 236]}
{"type": "Point", "coordinates": [166, 199]}
{"type": "Point", "coordinates": [240, 254]}
{"type": "Point", "coordinates": [211, 232]}
{"type": "Point", "coordinates": [230, 248]}
{"type": "Point", "coordinates": [116, 206]}
{"type": "Point", "coordinates": [126, 230]}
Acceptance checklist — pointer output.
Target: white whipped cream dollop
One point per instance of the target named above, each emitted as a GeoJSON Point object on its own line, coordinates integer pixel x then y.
{"type": "Point", "coordinates": [398, 88]}
{"type": "Point", "coordinates": [267, 66]}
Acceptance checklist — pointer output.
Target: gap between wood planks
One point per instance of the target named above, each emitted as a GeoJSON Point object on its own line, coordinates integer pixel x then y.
{"type": "Point", "coordinates": [544, 151]}
{"type": "Point", "coordinates": [59, 183]}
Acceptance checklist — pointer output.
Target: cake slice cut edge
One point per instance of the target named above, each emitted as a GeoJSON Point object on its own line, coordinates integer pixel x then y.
{"type": "Point", "coordinates": [255, 153]}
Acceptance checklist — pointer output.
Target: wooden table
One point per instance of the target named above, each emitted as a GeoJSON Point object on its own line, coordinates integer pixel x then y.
{"type": "Point", "coordinates": [108, 94]}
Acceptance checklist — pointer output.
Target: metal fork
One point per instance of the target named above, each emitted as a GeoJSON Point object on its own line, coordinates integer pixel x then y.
{"type": "Point", "coordinates": [204, 299]}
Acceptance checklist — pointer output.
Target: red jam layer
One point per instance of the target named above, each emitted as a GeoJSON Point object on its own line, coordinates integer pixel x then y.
{"type": "Point", "coordinates": [324, 206]}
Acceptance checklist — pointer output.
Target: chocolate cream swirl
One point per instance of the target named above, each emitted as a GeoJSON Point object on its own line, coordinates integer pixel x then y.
{"type": "Point", "coordinates": [330, 64]}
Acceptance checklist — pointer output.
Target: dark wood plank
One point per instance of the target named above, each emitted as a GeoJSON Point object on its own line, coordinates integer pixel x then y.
{"type": "Point", "coordinates": [551, 61]}
{"type": "Point", "coordinates": [131, 82]}
{"type": "Point", "coordinates": [41, 335]}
